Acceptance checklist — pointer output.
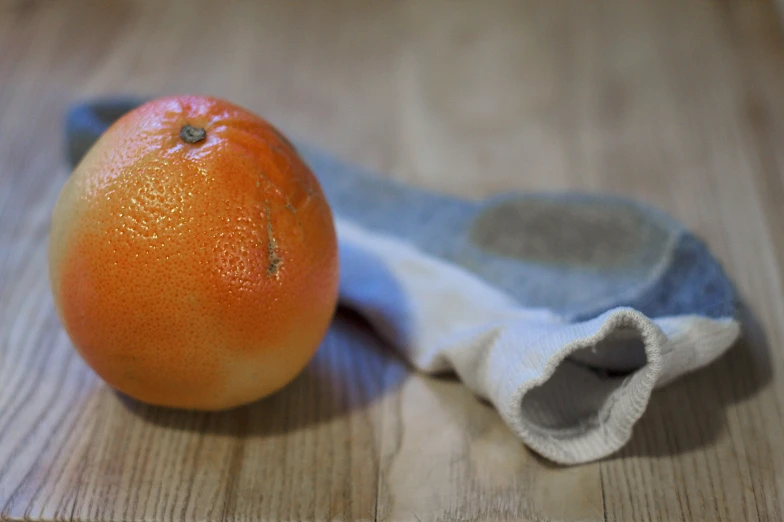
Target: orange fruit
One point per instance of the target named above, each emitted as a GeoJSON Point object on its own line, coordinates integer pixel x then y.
{"type": "Point", "coordinates": [193, 256]}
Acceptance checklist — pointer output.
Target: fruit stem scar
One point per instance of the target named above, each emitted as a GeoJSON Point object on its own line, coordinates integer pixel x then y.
{"type": "Point", "coordinates": [272, 247]}
{"type": "Point", "coordinates": [190, 134]}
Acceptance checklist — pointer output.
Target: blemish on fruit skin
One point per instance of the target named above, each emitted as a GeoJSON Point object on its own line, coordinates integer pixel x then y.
{"type": "Point", "coordinates": [272, 247]}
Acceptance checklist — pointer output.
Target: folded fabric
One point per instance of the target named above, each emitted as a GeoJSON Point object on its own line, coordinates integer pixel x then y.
{"type": "Point", "coordinates": [565, 311]}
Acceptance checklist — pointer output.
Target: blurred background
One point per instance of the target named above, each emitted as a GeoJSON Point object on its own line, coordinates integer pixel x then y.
{"type": "Point", "coordinates": [609, 95]}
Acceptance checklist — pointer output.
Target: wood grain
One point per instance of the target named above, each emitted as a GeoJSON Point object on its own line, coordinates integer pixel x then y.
{"type": "Point", "coordinates": [674, 102]}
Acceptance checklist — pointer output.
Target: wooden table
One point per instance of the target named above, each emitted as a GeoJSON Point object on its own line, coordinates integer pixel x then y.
{"type": "Point", "coordinates": [676, 102]}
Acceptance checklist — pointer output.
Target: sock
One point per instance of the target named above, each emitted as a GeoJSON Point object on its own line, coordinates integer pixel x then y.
{"type": "Point", "coordinates": [564, 310]}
